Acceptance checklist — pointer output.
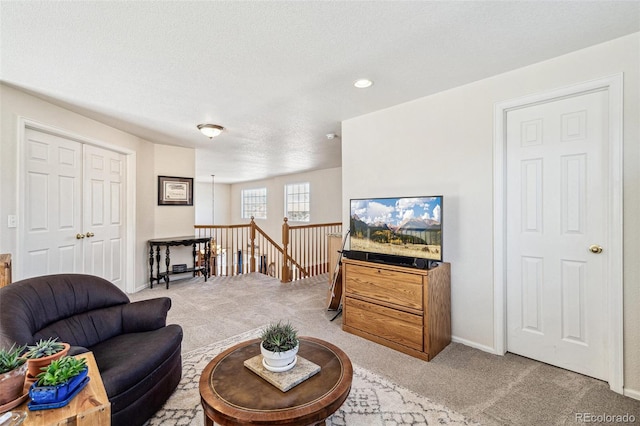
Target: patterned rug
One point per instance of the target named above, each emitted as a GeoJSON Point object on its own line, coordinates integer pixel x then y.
{"type": "Point", "coordinates": [373, 400]}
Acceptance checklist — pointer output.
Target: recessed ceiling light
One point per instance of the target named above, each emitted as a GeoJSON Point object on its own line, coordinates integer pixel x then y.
{"type": "Point", "coordinates": [363, 83]}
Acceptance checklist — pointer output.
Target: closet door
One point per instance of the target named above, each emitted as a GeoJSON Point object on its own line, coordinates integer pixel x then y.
{"type": "Point", "coordinates": [51, 205]}
{"type": "Point", "coordinates": [103, 213]}
{"type": "Point", "coordinates": [73, 204]}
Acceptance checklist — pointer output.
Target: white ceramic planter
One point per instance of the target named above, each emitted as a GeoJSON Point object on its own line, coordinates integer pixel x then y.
{"type": "Point", "coordinates": [279, 361]}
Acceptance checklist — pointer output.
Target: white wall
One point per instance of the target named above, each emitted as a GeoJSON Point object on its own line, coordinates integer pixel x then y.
{"type": "Point", "coordinates": [150, 220]}
{"type": "Point", "coordinates": [443, 144]}
{"type": "Point", "coordinates": [171, 221]}
{"type": "Point", "coordinates": [174, 221]}
{"type": "Point", "coordinates": [326, 202]}
{"type": "Point", "coordinates": [222, 205]}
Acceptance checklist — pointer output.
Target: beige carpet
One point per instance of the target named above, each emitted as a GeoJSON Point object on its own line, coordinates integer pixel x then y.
{"type": "Point", "coordinates": [373, 400]}
{"type": "Point", "coordinates": [491, 389]}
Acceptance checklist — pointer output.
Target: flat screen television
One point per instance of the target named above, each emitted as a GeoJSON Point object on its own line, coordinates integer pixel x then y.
{"type": "Point", "coordinates": [397, 228]}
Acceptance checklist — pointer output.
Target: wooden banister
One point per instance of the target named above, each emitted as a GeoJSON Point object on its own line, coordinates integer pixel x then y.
{"type": "Point", "coordinates": [303, 251]}
{"type": "Point", "coordinates": [285, 243]}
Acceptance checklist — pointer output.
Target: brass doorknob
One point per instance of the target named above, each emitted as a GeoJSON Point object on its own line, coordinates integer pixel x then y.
{"type": "Point", "coordinates": [79, 236]}
{"type": "Point", "coordinates": [90, 234]}
{"type": "Point", "coordinates": [594, 248]}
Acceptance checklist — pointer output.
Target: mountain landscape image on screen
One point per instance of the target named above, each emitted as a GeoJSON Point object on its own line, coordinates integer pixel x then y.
{"type": "Point", "coordinates": [408, 226]}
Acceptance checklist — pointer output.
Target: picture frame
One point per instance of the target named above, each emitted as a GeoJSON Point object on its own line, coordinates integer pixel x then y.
{"type": "Point", "coordinates": [175, 191]}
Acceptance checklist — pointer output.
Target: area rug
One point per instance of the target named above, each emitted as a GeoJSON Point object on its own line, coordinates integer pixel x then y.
{"type": "Point", "coordinates": [373, 400]}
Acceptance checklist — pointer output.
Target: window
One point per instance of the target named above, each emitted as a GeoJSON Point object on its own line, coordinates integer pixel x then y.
{"type": "Point", "coordinates": [296, 202]}
{"type": "Point", "coordinates": [254, 203]}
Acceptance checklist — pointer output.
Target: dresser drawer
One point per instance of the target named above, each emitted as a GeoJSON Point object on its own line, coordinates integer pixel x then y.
{"type": "Point", "coordinates": [390, 324]}
{"type": "Point", "coordinates": [390, 287]}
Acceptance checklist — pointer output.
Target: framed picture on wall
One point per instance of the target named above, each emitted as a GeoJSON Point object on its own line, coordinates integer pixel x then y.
{"type": "Point", "coordinates": [175, 191]}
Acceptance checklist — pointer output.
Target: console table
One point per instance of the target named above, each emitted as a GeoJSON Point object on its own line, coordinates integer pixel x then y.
{"type": "Point", "coordinates": [177, 241]}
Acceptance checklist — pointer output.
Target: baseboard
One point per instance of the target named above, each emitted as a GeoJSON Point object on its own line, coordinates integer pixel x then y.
{"type": "Point", "coordinates": [475, 345]}
{"type": "Point", "coordinates": [631, 393]}
{"type": "Point", "coordinates": [141, 287]}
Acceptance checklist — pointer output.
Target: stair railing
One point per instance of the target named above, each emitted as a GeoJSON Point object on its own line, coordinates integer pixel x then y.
{"type": "Point", "coordinates": [244, 248]}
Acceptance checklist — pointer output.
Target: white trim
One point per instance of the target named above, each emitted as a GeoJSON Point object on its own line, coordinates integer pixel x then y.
{"type": "Point", "coordinates": [499, 232]}
{"type": "Point", "coordinates": [614, 85]}
{"type": "Point", "coordinates": [475, 345]}
{"type": "Point", "coordinates": [130, 231]}
{"type": "Point", "coordinates": [631, 393]}
{"type": "Point", "coordinates": [130, 158]}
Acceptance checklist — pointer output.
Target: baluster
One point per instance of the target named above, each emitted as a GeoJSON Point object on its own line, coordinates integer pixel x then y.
{"type": "Point", "coordinates": [285, 247]}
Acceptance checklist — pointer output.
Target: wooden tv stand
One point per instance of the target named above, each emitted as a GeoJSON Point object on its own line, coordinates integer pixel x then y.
{"type": "Point", "coordinates": [403, 308]}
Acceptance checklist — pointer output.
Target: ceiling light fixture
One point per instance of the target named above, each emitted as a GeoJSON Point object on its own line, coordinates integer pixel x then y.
{"type": "Point", "coordinates": [210, 130]}
{"type": "Point", "coordinates": [363, 83]}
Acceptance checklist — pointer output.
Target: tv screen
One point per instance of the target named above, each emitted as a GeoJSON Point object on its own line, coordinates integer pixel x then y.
{"type": "Point", "coordinates": [405, 226]}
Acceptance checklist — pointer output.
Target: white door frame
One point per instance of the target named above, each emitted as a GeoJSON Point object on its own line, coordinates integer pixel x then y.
{"type": "Point", "coordinates": [130, 188]}
{"type": "Point", "coordinates": [613, 226]}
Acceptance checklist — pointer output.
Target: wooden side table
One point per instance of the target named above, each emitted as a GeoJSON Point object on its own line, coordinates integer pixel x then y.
{"type": "Point", "coordinates": [5, 269]}
{"type": "Point", "coordinates": [231, 394]}
{"type": "Point", "coordinates": [90, 407]}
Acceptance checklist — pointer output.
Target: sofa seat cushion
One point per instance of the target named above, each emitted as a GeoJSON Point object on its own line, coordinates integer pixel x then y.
{"type": "Point", "coordinates": [129, 359]}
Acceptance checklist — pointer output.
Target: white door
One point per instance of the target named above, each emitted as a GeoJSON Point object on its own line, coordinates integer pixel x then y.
{"type": "Point", "coordinates": [104, 214]}
{"type": "Point", "coordinates": [556, 182]}
{"type": "Point", "coordinates": [51, 203]}
{"type": "Point", "coordinates": [74, 208]}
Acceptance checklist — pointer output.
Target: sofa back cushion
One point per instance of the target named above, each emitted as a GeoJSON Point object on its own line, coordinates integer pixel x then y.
{"type": "Point", "coordinates": [85, 329]}
{"type": "Point", "coordinates": [78, 308]}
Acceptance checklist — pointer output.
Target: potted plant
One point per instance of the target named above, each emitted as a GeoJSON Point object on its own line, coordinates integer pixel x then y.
{"type": "Point", "coordinates": [12, 374]}
{"type": "Point", "coordinates": [279, 346]}
{"type": "Point", "coordinates": [40, 355]}
{"type": "Point", "coordinates": [61, 380]}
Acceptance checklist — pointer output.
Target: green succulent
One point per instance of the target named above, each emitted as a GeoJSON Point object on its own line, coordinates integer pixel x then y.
{"type": "Point", "coordinates": [61, 370]}
{"type": "Point", "coordinates": [44, 348]}
{"type": "Point", "coordinates": [279, 337]}
{"type": "Point", "coordinates": [10, 359]}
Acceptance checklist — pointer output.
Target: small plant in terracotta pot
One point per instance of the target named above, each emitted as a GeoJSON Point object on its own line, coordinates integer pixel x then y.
{"type": "Point", "coordinates": [40, 355]}
{"type": "Point", "coordinates": [12, 373]}
{"type": "Point", "coordinates": [279, 346]}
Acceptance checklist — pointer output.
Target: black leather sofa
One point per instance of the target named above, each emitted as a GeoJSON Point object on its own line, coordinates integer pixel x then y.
{"type": "Point", "coordinates": [137, 353]}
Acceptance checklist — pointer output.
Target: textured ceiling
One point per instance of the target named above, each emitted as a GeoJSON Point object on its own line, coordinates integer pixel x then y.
{"type": "Point", "coordinates": [277, 75]}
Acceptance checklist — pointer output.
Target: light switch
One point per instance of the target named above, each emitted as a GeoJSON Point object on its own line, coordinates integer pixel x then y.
{"type": "Point", "coordinates": [12, 221]}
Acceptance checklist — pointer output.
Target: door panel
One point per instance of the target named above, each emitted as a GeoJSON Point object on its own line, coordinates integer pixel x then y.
{"type": "Point", "coordinates": [53, 191]}
{"type": "Point", "coordinates": [103, 211]}
{"type": "Point", "coordinates": [556, 181]}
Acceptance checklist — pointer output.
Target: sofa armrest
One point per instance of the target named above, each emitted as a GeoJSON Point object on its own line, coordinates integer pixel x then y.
{"type": "Point", "coordinates": [77, 350]}
{"type": "Point", "coordinates": [145, 315]}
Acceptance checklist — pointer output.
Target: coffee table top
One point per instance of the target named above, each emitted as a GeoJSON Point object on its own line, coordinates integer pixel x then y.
{"type": "Point", "coordinates": [231, 394]}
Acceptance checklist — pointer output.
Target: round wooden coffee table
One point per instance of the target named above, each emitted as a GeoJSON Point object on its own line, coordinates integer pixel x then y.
{"type": "Point", "coordinates": [231, 394]}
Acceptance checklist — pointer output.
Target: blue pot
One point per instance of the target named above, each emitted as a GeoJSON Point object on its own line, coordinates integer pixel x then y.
{"type": "Point", "coordinates": [58, 393]}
